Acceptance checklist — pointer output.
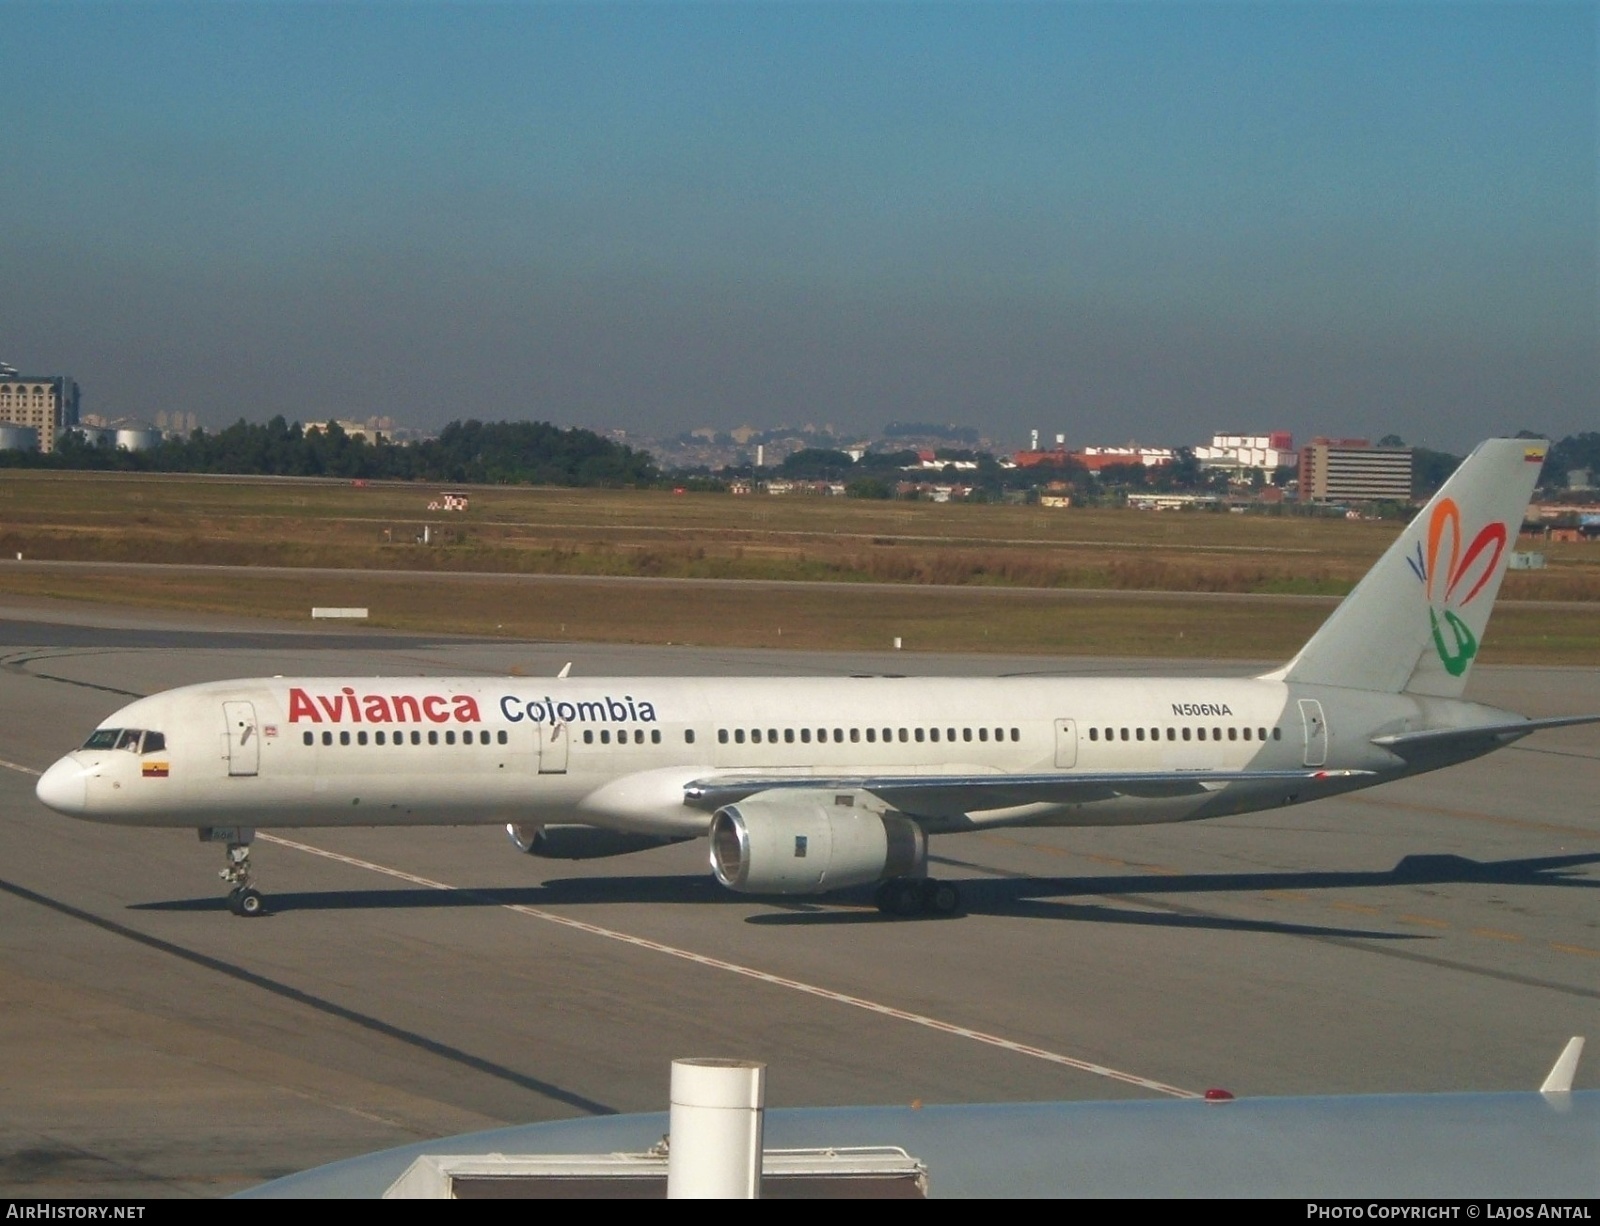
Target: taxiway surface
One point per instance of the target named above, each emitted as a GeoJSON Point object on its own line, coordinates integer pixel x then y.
{"type": "Point", "coordinates": [1437, 934]}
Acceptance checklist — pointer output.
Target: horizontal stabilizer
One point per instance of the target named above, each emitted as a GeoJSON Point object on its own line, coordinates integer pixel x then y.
{"type": "Point", "coordinates": [970, 793]}
{"type": "Point", "coordinates": [1475, 737]}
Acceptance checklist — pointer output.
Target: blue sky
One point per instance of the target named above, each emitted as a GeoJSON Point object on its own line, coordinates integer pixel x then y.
{"type": "Point", "coordinates": [1123, 220]}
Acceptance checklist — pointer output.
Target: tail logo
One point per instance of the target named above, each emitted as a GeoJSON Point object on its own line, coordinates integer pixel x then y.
{"type": "Point", "coordinates": [1445, 570]}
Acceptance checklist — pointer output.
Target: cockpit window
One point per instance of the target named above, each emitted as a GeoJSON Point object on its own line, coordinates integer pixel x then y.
{"type": "Point", "coordinates": [134, 740]}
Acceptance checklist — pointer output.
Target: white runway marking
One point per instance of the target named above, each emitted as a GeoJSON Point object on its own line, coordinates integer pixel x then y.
{"type": "Point", "coordinates": [749, 972]}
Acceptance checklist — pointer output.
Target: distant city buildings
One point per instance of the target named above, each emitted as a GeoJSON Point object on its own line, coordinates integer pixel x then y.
{"type": "Point", "coordinates": [1353, 470]}
{"type": "Point", "coordinates": [44, 404]}
{"type": "Point", "coordinates": [1240, 453]}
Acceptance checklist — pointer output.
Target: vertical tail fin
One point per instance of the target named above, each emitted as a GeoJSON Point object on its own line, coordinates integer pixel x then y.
{"type": "Point", "coordinates": [1414, 623]}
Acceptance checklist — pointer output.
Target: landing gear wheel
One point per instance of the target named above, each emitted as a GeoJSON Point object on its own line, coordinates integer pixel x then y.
{"type": "Point", "coordinates": [243, 899]}
{"type": "Point", "coordinates": [900, 896]}
{"type": "Point", "coordinates": [941, 897]}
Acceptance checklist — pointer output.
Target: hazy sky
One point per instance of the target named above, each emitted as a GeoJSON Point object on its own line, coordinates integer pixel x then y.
{"type": "Point", "coordinates": [1123, 220]}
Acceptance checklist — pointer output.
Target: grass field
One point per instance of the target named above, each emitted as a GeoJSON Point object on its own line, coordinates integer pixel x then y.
{"type": "Point", "coordinates": [1126, 558]}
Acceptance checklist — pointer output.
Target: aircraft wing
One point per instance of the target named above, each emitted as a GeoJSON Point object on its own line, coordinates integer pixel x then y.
{"type": "Point", "coordinates": [969, 793]}
{"type": "Point", "coordinates": [1479, 737]}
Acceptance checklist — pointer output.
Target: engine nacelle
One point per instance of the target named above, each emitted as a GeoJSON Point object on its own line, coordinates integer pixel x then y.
{"type": "Point", "coordinates": [576, 842]}
{"type": "Point", "coordinates": [792, 846]}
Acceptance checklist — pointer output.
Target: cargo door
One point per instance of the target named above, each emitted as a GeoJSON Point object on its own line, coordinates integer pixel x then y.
{"type": "Point", "coordinates": [1066, 743]}
{"type": "Point", "coordinates": [1316, 732]}
{"type": "Point", "coordinates": [553, 741]}
{"type": "Point", "coordinates": [244, 745]}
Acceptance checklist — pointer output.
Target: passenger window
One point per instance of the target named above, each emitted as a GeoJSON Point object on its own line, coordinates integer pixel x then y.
{"type": "Point", "coordinates": [805, 736]}
{"type": "Point", "coordinates": [855, 735]}
{"type": "Point", "coordinates": [1094, 734]}
{"type": "Point", "coordinates": [1186, 734]}
{"type": "Point", "coordinates": [1016, 734]}
{"type": "Point", "coordinates": [1199, 734]}
{"type": "Point", "coordinates": [1124, 734]}
{"type": "Point", "coordinates": [983, 734]}
{"type": "Point", "coordinates": [450, 737]}
{"type": "Point", "coordinates": [949, 734]}
{"type": "Point", "coordinates": [1261, 734]}
{"type": "Point", "coordinates": [888, 735]}
{"type": "Point", "coordinates": [499, 736]}
{"type": "Point", "coordinates": [788, 736]}
{"type": "Point", "coordinates": [1233, 734]}
{"type": "Point", "coordinates": [327, 738]}
{"type": "Point", "coordinates": [688, 736]}
{"type": "Point", "coordinates": [605, 736]}
{"type": "Point", "coordinates": [380, 738]}
{"type": "Point", "coordinates": [738, 735]}
{"type": "Point", "coordinates": [655, 736]}
{"type": "Point", "coordinates": [933, 734]}
{"type": "Point", "coordinates": [1216, 734]}
{"type": "Point", "coordinates": [966, 734]}
{"type": "Point", "coordinates": [838, 736]}
{"type": "Point", "coordinates": [588, 736]}
{"type": "Point", "coordinates": [917, 733]}
{"type": "Point", "coordinates": [1138, 734]}
{"type": "Point", "coordinates": [308, 738]}
{"type": "Point", "coordinates": [1247, 734]}
{"type": "Point", "coordinates": [361, 737]}
{"type": "Point", "coordinates": [1172, 734]}
{"type": "Point", "coordinates": [872, 736]}
{"type": "Point", "coordinates": [416, 737]}
{"type": "Point", "coordinates": [344, 738]}
{"type": "Point", "coordinates": [772, 736]}
{"type": "Point", "coordinates": [722, 736]}
{"type": "Point", "coordinates": [1277, 734]}
{"type": "Point", "coordinates": [755, 736]}
{"type": "Point", "coordinates": [822, 736]}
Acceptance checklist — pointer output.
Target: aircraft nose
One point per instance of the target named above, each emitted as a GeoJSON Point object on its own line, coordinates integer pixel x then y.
{"type": "Point", "coordinates": [64, 787]}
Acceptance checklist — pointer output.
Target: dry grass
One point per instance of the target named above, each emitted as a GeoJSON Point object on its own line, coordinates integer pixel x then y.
{"type": "Point", "coordinates": [531, 532]}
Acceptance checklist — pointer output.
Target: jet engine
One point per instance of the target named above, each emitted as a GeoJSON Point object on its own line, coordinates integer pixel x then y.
{"type": "Point", "coordinates": [794, 846]}
{"type": "Point", "coordinates": [575, 842]}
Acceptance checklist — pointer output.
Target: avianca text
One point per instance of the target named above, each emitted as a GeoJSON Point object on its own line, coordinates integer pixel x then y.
{"type": "Point", "coordinates": [347, 705]}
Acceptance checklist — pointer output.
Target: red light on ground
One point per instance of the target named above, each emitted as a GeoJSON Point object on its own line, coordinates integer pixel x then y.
{"type": "Point", "coordinates": [1219, 1096]}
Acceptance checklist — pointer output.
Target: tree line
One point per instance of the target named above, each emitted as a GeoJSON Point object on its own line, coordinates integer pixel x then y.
{"type": "Point", "coordinates": [466, 452]}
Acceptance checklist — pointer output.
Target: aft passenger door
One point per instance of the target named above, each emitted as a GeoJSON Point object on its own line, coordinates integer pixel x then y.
{"type": "Point", "coordinates": [244, 745]}
{"type": "Point", "coordinates": [1316, 727]}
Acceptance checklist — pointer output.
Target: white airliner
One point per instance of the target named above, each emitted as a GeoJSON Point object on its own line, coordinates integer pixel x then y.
{"type": "Point", "coordinates": [811, 785]}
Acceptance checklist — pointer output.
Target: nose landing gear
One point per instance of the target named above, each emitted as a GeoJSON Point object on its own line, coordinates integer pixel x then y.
{"type": "Point", "coordinates": [243, 898]}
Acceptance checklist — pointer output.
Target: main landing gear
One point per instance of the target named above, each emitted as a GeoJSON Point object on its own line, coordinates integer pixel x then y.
{"type": "Point", "coordinates": [243, 898]}
{"type": "Point", "coordinates": [908, 896]}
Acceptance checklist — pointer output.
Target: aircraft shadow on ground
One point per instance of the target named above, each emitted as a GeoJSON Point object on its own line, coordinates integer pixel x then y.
{"type": "Point", "coordinates": [1052, 898]}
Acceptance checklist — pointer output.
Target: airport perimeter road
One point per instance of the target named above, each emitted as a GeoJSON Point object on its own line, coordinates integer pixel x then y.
{"type": "Point", "coordinates": [1440, 934]}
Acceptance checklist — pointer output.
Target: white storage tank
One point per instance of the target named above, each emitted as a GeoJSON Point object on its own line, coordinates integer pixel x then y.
{"type": "Point", "coordinates": [135, 436]}
{"type": "Point", "coordinates": [19, 438]}
{"type": "Point", "coordinates": [95, 436]}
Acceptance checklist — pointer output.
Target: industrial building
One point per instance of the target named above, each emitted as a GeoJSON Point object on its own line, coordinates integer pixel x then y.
{"type": "Point", "coordinates": [1353, 470]}
{"type": "Point", "coordinates": [45, 404]}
